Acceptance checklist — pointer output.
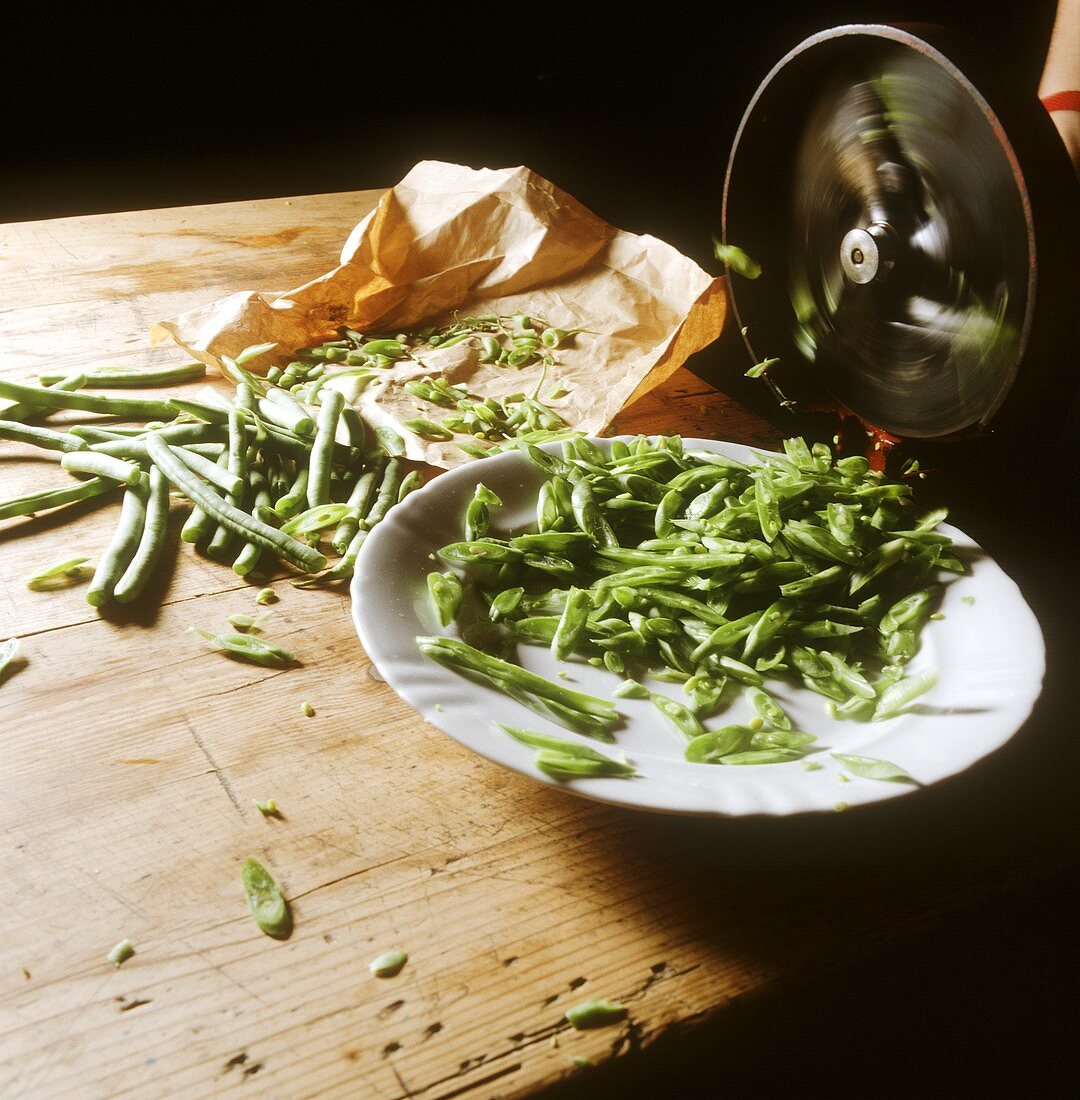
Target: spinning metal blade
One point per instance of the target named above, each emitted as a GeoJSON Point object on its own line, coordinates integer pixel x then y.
{"type": "Point", "coordinates": [909, 280]}
{"type": "Point", "coordinates": [895, 224]}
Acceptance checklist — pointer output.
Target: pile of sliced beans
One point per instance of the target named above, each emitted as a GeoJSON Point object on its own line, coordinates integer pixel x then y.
{"type": "Point", "coordinates": [688, 566]}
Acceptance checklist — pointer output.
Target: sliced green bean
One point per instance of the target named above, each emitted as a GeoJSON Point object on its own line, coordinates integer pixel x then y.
{"type": "Point", "coordinates": [60, 573]}
{"type": "Point", "coordinates": [458, 654]}
{"type": "Point", "coordinates": [388, 964]}
{"type": "Point", "coordinates": [896, 698]}
{"type": "Point", "coordinates": [768, 709]}
{"type": "Point", "coordinates": [248, 647]}
{"type": "Point", "coordinates": [681, 718]}
{"type": "Point", "coordinates": [213, 472]}
{"type": "Point", "coordinates": [98, 465]}
{"type": "Point", "coordinates": [269, 909]}
{"type": "Point", "coordinates": [9, 650]}
{"type": "Point", "coordinates": [870, 767]}
{"type": "Point", "coordinates": [572, 624]}
{"type": "Point", "coordinates": [595, 1013]}
{"type": "Point", "coordinates": [713, 745]}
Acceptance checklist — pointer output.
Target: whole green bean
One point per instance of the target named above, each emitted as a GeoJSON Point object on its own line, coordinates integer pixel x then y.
{"type": "Point", "coordinates": [281, 408]}
{"type": "Point", "coordinates": [121, 549]}
{"type": "Point", "coordinates": [100, 435]}
{"type": "Point", "coordinates": [363, 493]}
{"type": "Point", "coordinates": [322, 450]}
{"type": "Point", "coordinates": [292, 503]}
{"type": "Point", "coordinates": [46, 398]}
{"type": "Point", "coordinates": [45, 438]}
{"type": "Point", "coordinates": [118, 377]}
{"type": "Point", "coordinates": [445, 591]}
{"type": "Point", "coordinates": [46, 499]}
{"type": "Point", "coordinates": [199, 525]}
{"type": "Point", "coordinates": [276, 476]}
{"type": "Point", "coordinates": [151, 541]}
{"type": "Point", "coordinates": [388, 492]}
{"type": "Point", "coordinates": [304, 557]}
{"type": "Point", "coordinates": [222, 538]}
{"type": "Point", "coordinates": [99, 465]}
{"type": "Point", "coordinates": [384, 501]}
{"type": "Point", "coordinates": [20, 410]}
{"type": "Point", "coordinates": [213, 472]}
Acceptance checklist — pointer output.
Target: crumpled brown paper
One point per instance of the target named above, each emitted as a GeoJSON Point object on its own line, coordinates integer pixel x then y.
{"type": "Point", "coordinates": [454, 239]}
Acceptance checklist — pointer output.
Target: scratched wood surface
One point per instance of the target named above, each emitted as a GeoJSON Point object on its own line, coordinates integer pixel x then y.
{"type": "Point", "coordinates": [130, 757]}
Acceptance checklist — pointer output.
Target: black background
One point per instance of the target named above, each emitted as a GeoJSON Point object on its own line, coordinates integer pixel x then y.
{"type": "Point", "coordinates": [632, 110]}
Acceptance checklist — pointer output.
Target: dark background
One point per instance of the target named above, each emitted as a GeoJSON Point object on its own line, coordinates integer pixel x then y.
{"type": "Point", "coordinates": [633, 112]}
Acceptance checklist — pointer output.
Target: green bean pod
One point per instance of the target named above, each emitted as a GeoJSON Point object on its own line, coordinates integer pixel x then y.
{"type": "Point", "coordinates": [53, 398]}
{"type": "Point", "coordinates": [45, 438]}
{"type": "Point", "coordinates": [151, 542]}
{"type": "Point", "coordinates": [445, 591]}
{"type": "Point", "coordinates": [303, 557]}
{"type": "Point", "coordinates": [322, 450]}
{"type": "Point", "coordinates": [199, 525]}
{"type": "Point", "coordinates": [283, 409]}
{"type": "Point", "coordinates": [46, 499]}
{"type": "Point", "coordinates": [98, 465]}
{"type": "Point", "coordinates": [222, 538]}
{"type": "Point", "coordinates": [20, 410]}
{"type": "Point", "coordinates": [125, 541]}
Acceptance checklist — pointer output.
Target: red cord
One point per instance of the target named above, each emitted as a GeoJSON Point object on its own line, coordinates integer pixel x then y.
{"type": "Point", "coordinates": [1062, 101]}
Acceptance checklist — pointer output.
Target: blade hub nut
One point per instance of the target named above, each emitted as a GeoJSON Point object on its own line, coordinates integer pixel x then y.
{"type": "Point", "coordinates": [866, 254]}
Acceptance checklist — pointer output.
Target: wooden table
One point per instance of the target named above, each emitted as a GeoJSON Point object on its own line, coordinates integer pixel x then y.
{"type": "Point", "coordinates": [130, 756]}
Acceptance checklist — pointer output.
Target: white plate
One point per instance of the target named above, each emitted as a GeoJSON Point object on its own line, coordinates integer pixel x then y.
{"type": "Point", "coordinates": [988, 651]}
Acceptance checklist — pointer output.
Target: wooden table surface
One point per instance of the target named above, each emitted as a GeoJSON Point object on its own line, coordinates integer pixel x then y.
{"type": "Point", "coordinates": [130, 756]}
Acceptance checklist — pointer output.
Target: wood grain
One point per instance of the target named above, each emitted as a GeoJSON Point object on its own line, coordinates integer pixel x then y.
{"type": "Point", "coordinates": [130, 757]}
